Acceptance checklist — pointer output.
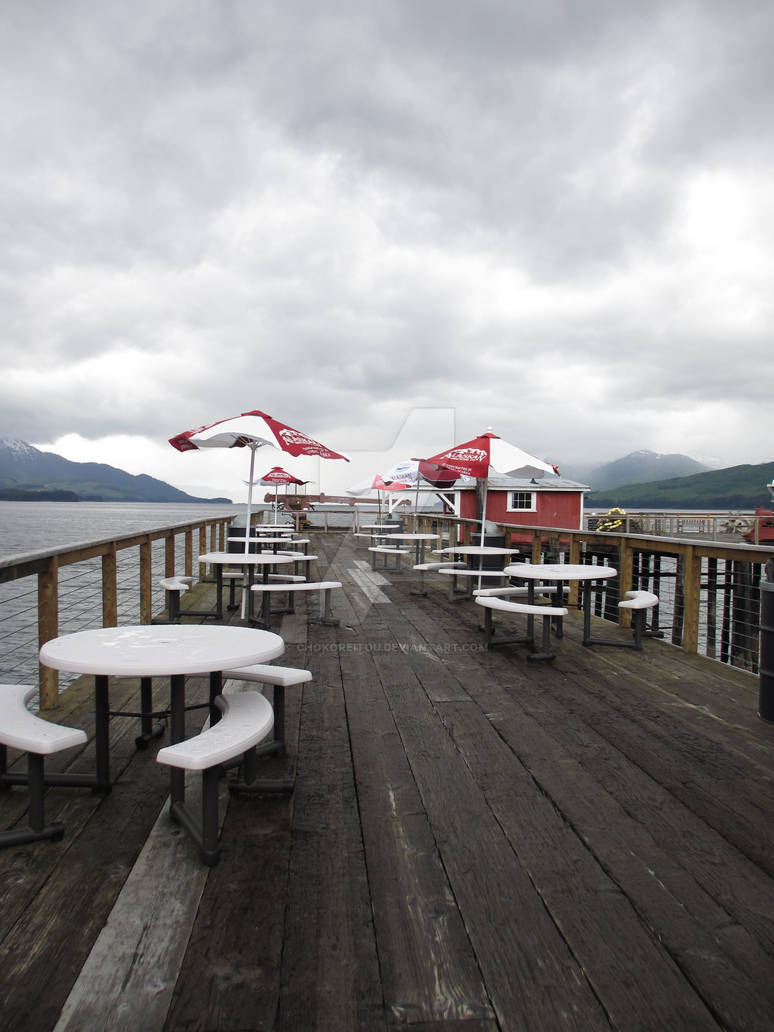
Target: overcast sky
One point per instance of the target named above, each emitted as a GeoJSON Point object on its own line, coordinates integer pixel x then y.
{"type": "Point", "coordinates": [554, 218]}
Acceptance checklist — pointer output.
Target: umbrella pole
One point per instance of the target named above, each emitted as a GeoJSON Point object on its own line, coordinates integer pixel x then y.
{"type": "Point", "coordinates": [483, 524]}
{"type": "Point", "coordinates": [245, 584]}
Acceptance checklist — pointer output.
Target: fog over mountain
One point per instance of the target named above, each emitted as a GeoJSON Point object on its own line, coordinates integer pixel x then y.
{"type": "Point", "coordinates": [639, 467]}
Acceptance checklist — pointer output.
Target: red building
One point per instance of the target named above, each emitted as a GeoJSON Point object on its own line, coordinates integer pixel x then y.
{"type": "Point", "coordinates": [536, 502]}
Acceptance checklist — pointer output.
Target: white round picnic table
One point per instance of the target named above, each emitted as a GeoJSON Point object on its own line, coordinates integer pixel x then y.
{"type": "Point", "coordinates": [248, 561]}
{"type": "Point", "coordinates": [419, 539]}
{"type": "Point", "coordinates": [259, 540]}
{"type": "Point", "coordinates": [558, 573]}
{"type": "Point", "coordinates": [153, 650]}
{"type": "Point", "coordinates": [476, 550]}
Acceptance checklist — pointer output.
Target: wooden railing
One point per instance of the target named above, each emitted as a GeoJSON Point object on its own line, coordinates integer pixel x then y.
{"type": "Point", "coordinates": [708, 577]}
{"type": "Point", "coordinates": [46, 566]}
{"type": "Point", "coordinates": [702, 571]}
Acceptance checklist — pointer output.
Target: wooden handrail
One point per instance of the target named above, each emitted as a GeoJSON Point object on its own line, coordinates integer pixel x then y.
{"type": "Point", "coordinates": [46, 566]}
{"type": "Point", "coordinates": [533, 542]}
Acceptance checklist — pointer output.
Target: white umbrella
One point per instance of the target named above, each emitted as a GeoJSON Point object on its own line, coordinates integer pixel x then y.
{"type": "Point", "coordinates": [416, 472]}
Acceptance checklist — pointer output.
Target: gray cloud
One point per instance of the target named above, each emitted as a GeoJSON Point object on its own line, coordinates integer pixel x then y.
{"type": "Point", "coordinates": [554, 218]}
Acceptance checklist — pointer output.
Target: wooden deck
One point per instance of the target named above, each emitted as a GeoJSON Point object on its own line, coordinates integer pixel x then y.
{"type": "Point", "coordinates": [475, 842]}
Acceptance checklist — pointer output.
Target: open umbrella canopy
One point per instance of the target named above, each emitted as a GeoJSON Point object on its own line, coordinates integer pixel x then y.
{"type": "Point", "coordinates": [413, 472]}
{"type": "Point", "coordinates": [490, 453]}
{"type": "Point", "coordinates": [278, 475]}
{"type": "Point", "coordinates": [253, 429]}
{"type": "Point", "coordinates": [416, 473]}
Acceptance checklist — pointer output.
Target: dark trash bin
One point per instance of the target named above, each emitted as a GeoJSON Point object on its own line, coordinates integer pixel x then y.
{"type": "Point", "coordinates": [490, 562]}
{"type": "Point", "coordinates": [239, 544]}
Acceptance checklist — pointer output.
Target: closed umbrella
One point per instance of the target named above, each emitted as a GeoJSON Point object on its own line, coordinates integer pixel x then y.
{"type": "Point", "coordinates": [253, 430]}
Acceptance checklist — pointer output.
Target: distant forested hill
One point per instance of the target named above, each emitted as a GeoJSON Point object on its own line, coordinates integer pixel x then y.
{"type": "Point", "coordinates": [738, 487]}
{"type": "Point", "coordinates": [28, 474]}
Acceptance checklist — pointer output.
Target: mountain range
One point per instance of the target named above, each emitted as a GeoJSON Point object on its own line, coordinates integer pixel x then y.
{"type": "Point", "coordinates": [736, 488]}
{"type": "Point", "coordinates": [639, 467]}
{"type": "Point", "coordinates": [28, 474]}
{"type": "Point", "coordinates": [642, 479]}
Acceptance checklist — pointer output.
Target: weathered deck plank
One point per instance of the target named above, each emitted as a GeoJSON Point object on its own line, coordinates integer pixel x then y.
{"type": "Point", "coordinates": [475, 842]}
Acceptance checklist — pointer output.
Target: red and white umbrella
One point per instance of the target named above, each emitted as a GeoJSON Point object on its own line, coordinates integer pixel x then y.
{"type": "Point", "coordinates": [487, 454]}
{"type": "Point", "coordinates": [252, 430]}
{"type": "Point", "coordinates": [277, 475]}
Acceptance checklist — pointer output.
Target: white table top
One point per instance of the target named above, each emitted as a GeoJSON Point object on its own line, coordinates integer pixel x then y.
{"type": "Point", "coordinates": [263, 540]}
{"type": "Point", "coordinates": [390, 527]}
{"type": "Point", "coordinates": [155, 650]}
{"type": "Point", "coordinates": [415, 537]}
{"type": "Point", "coordinates": [559, 571]}
{"type": "Point", "coordinates": [249, 558]}
{"type": "Point", "coordinates": [477, 550]}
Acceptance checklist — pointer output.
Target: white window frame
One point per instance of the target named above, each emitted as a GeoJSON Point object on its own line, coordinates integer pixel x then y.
{"type": "Point", "coordinates": [532, 507]}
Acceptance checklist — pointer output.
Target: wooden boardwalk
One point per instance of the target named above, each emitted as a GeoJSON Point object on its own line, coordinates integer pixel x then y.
{"type": "Point", "coordinates": [474, 842]}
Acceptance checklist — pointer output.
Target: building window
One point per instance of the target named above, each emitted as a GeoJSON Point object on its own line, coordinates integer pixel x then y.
{"type": "Point", "coordinates": [521, 501]}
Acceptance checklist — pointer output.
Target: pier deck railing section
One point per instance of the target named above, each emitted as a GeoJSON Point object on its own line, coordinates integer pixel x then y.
{"type": "Point", "coordinates": [99, 583]}
{"type": "Point", "coordinates": [709, 591]}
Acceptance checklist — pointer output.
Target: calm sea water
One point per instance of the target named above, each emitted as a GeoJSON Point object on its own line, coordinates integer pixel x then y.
{"type": "Point", "coordinates": [35, 526]}
{"type": "Point", "coordinates": [28, 527]}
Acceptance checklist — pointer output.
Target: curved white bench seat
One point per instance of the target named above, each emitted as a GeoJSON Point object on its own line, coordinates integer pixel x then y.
{"type": "Point", "coordinates": [546, 613]}
{"type": "Point", "coordinates": [438, 567]}
{"type": "Point", "coordinates": [23, 730]}
{"type": "Point", "coordinates": [175, 587]}
{"type": "Point", "coordinates": [639, 602]}
{"type": "Point", "coordinates": [501, 592]}
{"type": "Point", "coordinates": [280, 678]}
{"type": "Point", "coordinates": [247, 718]}
{"type": "Point", "coordinates": [292, 587]}
{"type": "Point", "coordinates": [518, 592]}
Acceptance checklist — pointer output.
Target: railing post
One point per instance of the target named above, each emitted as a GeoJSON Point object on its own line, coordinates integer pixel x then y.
{"type": "Point", "coordinates": [169, 555]}
{"type": "Point", "coordinates": [691, 591]}
{"type": "Point", "coordinates": [110, 588]}
{"type": "Point", "coordinates": [146, 582]}
{"type": "Point", "coordinates": [202, 550]}
{"type": "Point", "coordinates": [189, 552]}
{"type": "Point", "coordinates": [625, 579]}
{"type": "Point", "coordinates": [48, 628]}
